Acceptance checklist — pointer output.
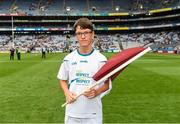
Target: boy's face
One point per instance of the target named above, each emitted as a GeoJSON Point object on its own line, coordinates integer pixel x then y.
{"type": "Point", "coordinates": [84, 36]}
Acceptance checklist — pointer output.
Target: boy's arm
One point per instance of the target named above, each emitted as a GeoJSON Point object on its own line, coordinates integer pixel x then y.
{"type": "Point", "coordinates": [70, 97]}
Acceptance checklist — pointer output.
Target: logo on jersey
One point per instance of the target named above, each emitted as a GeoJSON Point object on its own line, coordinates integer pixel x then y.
{"type": "Point", "coordinates": [83, 61]}
{"type": "Point", "coordinates": [74, 63]}
{"type": "Point", "coordinates": [82, 79]}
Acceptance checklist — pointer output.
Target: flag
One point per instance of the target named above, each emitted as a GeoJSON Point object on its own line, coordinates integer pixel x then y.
{"type": "Point", "coordinates": [116, 61]}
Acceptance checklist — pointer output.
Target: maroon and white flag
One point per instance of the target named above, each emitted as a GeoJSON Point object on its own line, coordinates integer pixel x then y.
{"type": "Point", "coordinates": [117, 60]}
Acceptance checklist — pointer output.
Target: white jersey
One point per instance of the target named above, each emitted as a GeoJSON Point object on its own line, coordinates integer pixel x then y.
{"type": "Point", "coordinates": [78, 69]}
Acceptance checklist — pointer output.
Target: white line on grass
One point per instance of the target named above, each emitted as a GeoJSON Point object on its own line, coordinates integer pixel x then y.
{"type": "Point", "coordinates": [26, 61]}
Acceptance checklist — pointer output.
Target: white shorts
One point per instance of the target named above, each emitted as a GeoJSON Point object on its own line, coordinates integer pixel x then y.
{"type": "Point", "coordinates": [72, 120]}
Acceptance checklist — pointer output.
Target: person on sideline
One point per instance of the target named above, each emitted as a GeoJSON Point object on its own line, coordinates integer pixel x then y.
{"type": "Point", "coordinates": [75, 75]}
{"type": "Point", "coordinates": [18, 53]}
{"type": "Point", "coordinates": [12, 50]}
{"type": "Point", "coordinates": [43, 52]}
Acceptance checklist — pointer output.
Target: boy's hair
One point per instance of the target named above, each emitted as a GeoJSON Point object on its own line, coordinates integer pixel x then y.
{"type": "Point", "coordinates": [84, 23]}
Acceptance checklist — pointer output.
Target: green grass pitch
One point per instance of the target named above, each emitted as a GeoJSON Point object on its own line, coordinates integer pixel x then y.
{"type": "Point", "coordinates": [147, 91]}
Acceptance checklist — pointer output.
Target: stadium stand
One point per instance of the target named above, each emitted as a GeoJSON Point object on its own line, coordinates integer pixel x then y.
{"type": "Point", "coordinates": [165, 41]}
{"type": "Point", "coordinates": [77, 6]}
{"type": "Point", "coordinates": [28, 7]}
{"type": "Point", "coordinates": [99, 7]}
{"type": "Point", "coordinates": [55, 7]}
{"type": "Point", "coordinates": [36, 23]}
{"type": "Point", "coordinates": [139, 5]}
{"type": "Point", "coordinates": [5, 6]}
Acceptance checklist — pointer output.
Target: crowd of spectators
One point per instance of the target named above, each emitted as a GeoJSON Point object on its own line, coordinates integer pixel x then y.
{"type": "Point", "coordinates": [58, 43]}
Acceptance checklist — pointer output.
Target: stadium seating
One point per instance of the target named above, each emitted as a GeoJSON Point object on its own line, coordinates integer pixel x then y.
{"type": "Point", "coordinates": [55, 7]}
{"type": "Point", "coordinates": [164, 41]}
{"type": "Point", "coordinates": [5, 6]}
{"type": "Point", "coordinates": [51, 16]}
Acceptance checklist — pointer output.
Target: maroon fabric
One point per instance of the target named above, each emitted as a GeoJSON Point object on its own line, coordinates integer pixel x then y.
{"type": "Point", "coordinates": [116, 61]}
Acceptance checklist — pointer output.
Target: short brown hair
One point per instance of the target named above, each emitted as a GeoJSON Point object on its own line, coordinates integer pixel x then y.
{"type": "Point", "coordinates": [84, 23]}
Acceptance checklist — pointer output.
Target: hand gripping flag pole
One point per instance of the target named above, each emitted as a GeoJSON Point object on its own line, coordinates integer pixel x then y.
{"type": "Point", "coordinates": [121, 60]}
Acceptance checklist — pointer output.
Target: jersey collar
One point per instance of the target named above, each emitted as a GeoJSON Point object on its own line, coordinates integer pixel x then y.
{"type": "Point", "coordinates": [85, 54]}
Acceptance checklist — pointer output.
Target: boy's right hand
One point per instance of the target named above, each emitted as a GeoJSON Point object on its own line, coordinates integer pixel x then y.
{"type": "Point", "coordinates": [70, 97]}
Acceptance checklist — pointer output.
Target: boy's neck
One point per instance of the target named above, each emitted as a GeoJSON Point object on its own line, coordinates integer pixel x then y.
{"type": "Point", "coordinates": [85, 50]}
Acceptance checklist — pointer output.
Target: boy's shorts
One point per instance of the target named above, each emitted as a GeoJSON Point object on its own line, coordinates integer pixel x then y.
{"type": "Point", "coordinates": [72, 120]}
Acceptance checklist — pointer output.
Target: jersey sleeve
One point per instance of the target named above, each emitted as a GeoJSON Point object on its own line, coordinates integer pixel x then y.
{"type": "Point", "coordinates": [107, 91]}
{"type": "Point", "coordinates": [102, 62]}
{"type": "Point", "coordinates": [63, 71]}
